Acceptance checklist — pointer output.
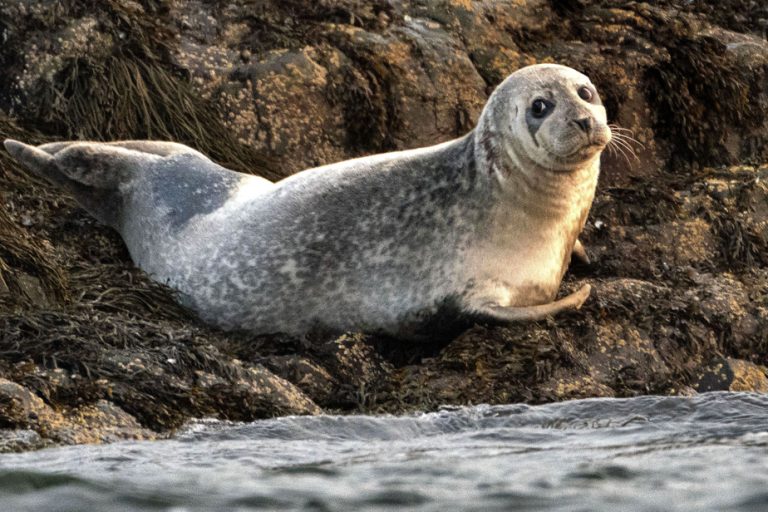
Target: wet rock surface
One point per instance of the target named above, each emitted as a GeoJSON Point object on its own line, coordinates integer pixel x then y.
{"type": "Point", "coordinates": [92, 351]}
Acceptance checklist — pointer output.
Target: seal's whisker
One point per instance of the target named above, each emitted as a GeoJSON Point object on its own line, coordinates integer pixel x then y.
{"type": "Point", "coordinates": [615, 127]}
{"type": "Point", "coordinates": [625, 134]}
{"type": "Point", "coordinates": [628, 139]}
{"type": "Point", "coordinates": [623, 141]}
{"type": "Point", "coordinates": [626, 157]}
{"type": "Point", "coordinates": [622, 133]}
{"type": "Point", "coordinates": [622, 151]}
{"type": "Point", "coordinates": [619, 129]}
{"type": "Point", "coordinates": [628, 142]}
{"type": "Point", "coordinates": [629, 157]}
{"type": "Point", "coordinates": [625, 146]}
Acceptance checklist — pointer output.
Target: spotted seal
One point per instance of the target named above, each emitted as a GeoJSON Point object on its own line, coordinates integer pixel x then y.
{"type": "Point", "coordinates": [485, 223]}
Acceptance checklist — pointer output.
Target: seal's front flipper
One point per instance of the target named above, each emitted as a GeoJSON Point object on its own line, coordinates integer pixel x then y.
{"type": "Point", "coordinates": [533, 313]}
{"type": "Point", "coordinates": [580, 253]}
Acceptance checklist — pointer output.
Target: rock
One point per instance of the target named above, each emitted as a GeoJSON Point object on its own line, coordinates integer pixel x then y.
{"type": "Point", "coordinates": [628, 293]}
{"type": "Point", "coordinates": [574, 388]}
{"type": "Point", "coordinates": [358, 368]}
{"type": "Point", "coordinates": [91, 350]}
{"type": "Point", "coordinates": [20, 408]}
{"type": "Point", "coordinates": [102, 422]}
{"type": "Point", "coordinates": [21, 440]}
{"type": "Point", "coordinates": [287, 397]}
{"type": "Point", "coordinates": [623, 356]}
{"type": "Point", "coordinates": [310, 377]}
{"type": "Point", "coordinates": [279, 104]}
{"type": "Point", "coordinates": [99, 423]}
{"type": "Point", "coordinates": [728, 374]}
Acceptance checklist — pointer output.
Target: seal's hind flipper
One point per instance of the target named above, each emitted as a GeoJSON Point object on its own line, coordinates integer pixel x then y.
{"type": "Point", "coordinates": [93, 164]}
{"type": "Point", "coordinates": [39, 162]}
{"type": "Point", "coordinates": [156, 147]}
{"type": "Point", "coordinates": [99, 165]}
{"type": "Point", "coordinates": [102, 176]}
{"type": "Point", "coordinates": [152, 147]}
{"type": "Point", "coordinates": [54, 147]}
{"type": "Point", "coordinates": [91, 171]}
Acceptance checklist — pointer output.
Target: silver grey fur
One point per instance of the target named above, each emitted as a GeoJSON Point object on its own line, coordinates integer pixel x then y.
{"type": "Point", "coordinates": [485, 223]}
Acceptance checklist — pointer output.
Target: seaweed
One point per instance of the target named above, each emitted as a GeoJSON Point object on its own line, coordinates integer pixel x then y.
{"type": "Point", "coordinates": [741, 247]}
{"type": "Point", "coordinates": [128, 98]}
{"type": "Point", "coordinates": [736, 15]}
{"type": "Point", "coordinates": [133, 90]}
{"type": "Point", "coordinates": [23, 260]}
{"type": "Point", "coordinates": [696, 95]}
{"type": "Point", "coordinates": [644, 201]}
{"type": "Point", "coordinates": [161, 372]}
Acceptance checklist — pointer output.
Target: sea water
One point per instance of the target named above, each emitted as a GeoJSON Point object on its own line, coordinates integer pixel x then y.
{"type": "Point", "coordinates": [708, 452]}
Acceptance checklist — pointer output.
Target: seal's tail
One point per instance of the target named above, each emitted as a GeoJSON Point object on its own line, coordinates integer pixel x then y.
{"type": "Point", "coordinates": [90, 171]}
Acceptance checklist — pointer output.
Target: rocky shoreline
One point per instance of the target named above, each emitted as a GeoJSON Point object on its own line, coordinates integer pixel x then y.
{"type": "Point", "coordinates": [92, 351]}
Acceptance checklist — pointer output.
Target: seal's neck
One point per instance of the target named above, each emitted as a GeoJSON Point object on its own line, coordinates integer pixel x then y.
{"type": "Point", "coordinates": [538, 191]}
{"type": "Point", "coordinates": [533, 217]}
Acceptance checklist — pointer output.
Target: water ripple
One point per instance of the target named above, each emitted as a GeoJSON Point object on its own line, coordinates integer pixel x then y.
{"type": "Point", "coordinates": [708, 452]}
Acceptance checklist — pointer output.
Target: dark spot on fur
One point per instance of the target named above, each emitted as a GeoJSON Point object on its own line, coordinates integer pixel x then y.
{"type": "Point", "coordinates": [534, 123]}
{"type": "Point", "coordinates": [189, 187]}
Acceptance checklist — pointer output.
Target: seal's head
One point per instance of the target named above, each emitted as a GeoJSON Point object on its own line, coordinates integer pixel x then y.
{"type": "Point", "coordinates": [545, 116]}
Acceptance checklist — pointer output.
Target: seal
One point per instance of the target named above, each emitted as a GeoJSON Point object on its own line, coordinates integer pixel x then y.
{"type": "Point", "coordinates": [483, 226]}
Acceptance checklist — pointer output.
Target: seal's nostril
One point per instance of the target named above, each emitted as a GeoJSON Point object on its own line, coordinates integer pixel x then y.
{"type": "Point", "coordinates": [585, 124]}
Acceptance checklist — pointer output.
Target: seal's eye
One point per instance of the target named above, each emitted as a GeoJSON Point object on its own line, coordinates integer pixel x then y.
{"type": "Point", "coordinates": [539, 108]}
{"type": "Point", "coordinates": [585, 93]}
